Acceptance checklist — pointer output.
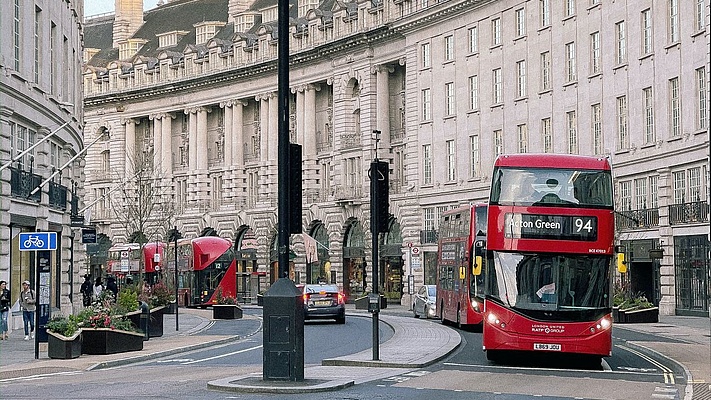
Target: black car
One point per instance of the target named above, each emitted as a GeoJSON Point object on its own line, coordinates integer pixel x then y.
{"type": "Point", "coordinates": [324, 301]}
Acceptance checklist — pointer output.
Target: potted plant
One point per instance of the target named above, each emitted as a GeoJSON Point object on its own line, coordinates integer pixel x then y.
{"type": "Point", "coordinates": [105, 331]}
{"type": "Point", "coordinates": [63, 337]}
{"type": "Point", "coordinates": [158, 297]}
{"type": "Point", "coordinates": [225, 307]}
{"type": "Point", "coordinates": [633, 308]}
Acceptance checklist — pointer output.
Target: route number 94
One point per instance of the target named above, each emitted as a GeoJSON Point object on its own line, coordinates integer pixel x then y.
{"type": "Point", "coordinates": [583, 224]}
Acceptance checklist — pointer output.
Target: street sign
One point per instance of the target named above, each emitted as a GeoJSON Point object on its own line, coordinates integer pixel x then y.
{"type": "Point", "coordinates": [88, 235]}
{"type": "Point", "coordinates": [415, 250]}
{"type": "Point", "coordinates": [33, 241]}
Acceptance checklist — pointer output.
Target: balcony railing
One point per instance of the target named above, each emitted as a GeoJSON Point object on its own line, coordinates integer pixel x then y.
{"type": "Point", "coordinates": [428, 236]}
{"type": "Point", "coordinates": [685, 213]}
{"type": "Point", "coordinates": [22, 183]}
{"type": "Point", "coordinates": [633, 219]}
{"type": "Point", "coordinates": [57, 196]}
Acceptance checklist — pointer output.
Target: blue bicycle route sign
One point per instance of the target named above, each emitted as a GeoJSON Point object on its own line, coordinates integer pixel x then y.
{"type": "Point", "coordinates": [32, 241]}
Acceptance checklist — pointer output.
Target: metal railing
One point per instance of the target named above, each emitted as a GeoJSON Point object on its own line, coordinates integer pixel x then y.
{"type": "Point", "coordinates": [685, 213]}
{"type": "Point", "coordinates": [633, 219]}
{"type": "Point", "coordinates": [22, 183]}
{"type": "Point", "coordinates": [57, 196]}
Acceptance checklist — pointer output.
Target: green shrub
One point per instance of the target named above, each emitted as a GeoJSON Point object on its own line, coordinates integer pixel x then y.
{"type": "Point", "coordinates": [65, 326]}
{"type": "Point", "coordinates": [127, 301]}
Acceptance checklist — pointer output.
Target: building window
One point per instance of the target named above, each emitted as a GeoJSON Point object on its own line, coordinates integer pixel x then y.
{"type": "Point", "coordinates": [106, 160]}
{"type": "Point", "coordinates": [648, 104]}
{"type": "Point", "coordinates": [679, 178]}
{"type": "Point", "coordinates": [52, 58]}
{"type": "Point", "coordinates": [623, 139]}
{"type": "Point", "coordinates": [497, 87]}
{"type": "Point", "coordinates": [496, 31]}
{"type": "Point", "coordinates": [673, 21]}
{"type": "Point", "coordinates": [427, 164]}
{"type": "Point", "coordinates": [474, 92]}
{"type": "Point", "coordinates": [521, 79]}
{"type": "Point", "coordinates": [520, 22]}
{"type": "Point", "coordinates": [545, 70]}
{"type": "Point", "coordinates": [16, 35]}
{"type": "Point", "coordinates": [449, 93]}
{"type": "Point", "coordinates": [595, 64]}
{"type": "Point", "coordinates": [451, 161]}
{"type": "Point", "coordinates": [498, 142]}
{"type": "Point", "coordinates": [425, 55]}
{"type": "Point", "coordinates": [569, 8]}
{"type": "Point", "coordinates": [596, 128]}
{"type": "Point", "coordinates": [475, 159]}
{"type": "Point", "coordinates": [473, 40]}
{"type": "Point", "coordinates": [626, 195]}
{"type": "Point", "coordinates": [545, 13]}
{"type": "Point", "coordinates": [695, 192]}
{"type": "Point", "coordinates": [426, 105]}
{"type": "Point", "coordinates": [522, 131]}
{"type": "Point", "coordinates": [570, 62]}
{"type": "Point", "coordinates": [429, 218]}
{"type": "Point", "coordinates": [621, 40]}
{"type": "Point", "coordinates": [653, 187]}
{"type": "Point", "coordinates": [37, 42]}
{"type": "Point", "coordinates": [547, 135]}
{"type": "Point", "coordinates": [699, 15]}
{"type": "Point", "coordinates": [701, 111]}
{"type": "Point", "coordinates": [572, 132]}
{"type": "Point", "coordinates": [647, 39]}
{"type": "Point", "coordinates": [674, 107]}
{"type": "Point", "coordinates": [449, 48]}
{"type": "Point", "coordinates": [640, 193]}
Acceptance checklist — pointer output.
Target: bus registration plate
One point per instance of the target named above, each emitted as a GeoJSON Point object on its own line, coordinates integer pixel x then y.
{"type": "Point", "coordinates": [546, 346]}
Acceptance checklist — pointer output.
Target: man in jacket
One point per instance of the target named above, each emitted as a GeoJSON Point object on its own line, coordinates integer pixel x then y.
{"type": "Point", "coordinates": [87, 291]}
{"type": "Point", "coordinates": [28, 307]}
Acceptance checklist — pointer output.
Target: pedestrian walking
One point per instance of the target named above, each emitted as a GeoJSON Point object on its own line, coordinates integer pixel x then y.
{"type": "Point", "coordinates": [111, 286]}
{"type": "Point", "coordinates": [87, 291]}
{"type": "Point", "coordinates": [4, 309]}
{"type": "Point", "coordinates": [98, 288]}
{"type": "Point", "coordinates": [27, 305]}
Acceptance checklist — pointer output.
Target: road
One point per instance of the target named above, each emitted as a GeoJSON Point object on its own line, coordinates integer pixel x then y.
{"type": "Point", "coordinates": [466, 374]}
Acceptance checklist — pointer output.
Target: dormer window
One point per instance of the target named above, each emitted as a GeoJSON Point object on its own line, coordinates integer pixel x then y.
{"type": "Point", "coordinates": [244, 23]}
{"type": "Point", "coordinates": [306, 5]}
{"type": "Point", "coordinates": [129, 48]}
{"type": "Point", "coordinates": [270, 14]}
{"type": "Point", "coordinates": [204, 31]}
{"type": "Point", "coordinates": [170, 39]}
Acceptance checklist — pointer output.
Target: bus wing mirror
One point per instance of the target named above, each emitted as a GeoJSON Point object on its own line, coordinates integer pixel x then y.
{"type": "Point", "coordinates": [621, 263]}
{"type": "Point", "coordinates": [476, 268]}
{"type": "Point", "coordinates": [479, 250]}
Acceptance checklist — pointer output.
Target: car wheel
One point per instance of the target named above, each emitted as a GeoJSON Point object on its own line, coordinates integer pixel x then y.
{"type": "Point", "coordinates": [414, 310]}
{"type": "Point", "coordinates": [341, 320]}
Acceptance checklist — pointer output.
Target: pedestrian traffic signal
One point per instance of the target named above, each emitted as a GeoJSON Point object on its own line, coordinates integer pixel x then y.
{"type": "Point", "coordinates": [295, 192]}
{"type": "Point", "coordinates": [379, 201]}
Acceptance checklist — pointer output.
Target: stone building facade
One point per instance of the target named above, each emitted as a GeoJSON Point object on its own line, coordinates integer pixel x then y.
{"type": "Point", "coordinates": [41, 99]}
{"type": "Point", "coordinates": [190, 88]}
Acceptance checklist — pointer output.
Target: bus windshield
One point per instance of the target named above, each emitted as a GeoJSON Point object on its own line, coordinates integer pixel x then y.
{"type": "Point", "coordinates": [562, 187]}
{"type": "Point", "coordinates": [550, 281]}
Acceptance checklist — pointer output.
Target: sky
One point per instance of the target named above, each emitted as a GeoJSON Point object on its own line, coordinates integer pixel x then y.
{"type": "Point", "coordinates": [93, 7]}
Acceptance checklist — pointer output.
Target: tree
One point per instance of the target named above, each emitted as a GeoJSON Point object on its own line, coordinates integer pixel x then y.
{"type": "Point", "coordinates": [144, 207]}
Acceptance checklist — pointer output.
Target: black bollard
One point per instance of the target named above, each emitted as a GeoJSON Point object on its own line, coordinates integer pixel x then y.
{"type": "Point", "coordinates": [145, 319]}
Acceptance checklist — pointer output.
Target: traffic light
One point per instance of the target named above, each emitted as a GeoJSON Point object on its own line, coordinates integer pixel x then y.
{"type": "Point", "coordinates": [294, 188]}
{"type": "Point", "coordinates": [379, 202]}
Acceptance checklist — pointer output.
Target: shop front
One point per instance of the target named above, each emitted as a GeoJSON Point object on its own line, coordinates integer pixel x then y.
{"type": "Point", "coordinates": [354, 274]}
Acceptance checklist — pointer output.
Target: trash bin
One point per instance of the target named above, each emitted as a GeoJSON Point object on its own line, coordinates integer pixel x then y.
{"type": "Point", "coordinates": [283, 340]}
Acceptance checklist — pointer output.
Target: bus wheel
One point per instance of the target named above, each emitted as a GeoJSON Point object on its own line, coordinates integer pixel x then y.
{"type": "Point", "coordinates": [493, 355]}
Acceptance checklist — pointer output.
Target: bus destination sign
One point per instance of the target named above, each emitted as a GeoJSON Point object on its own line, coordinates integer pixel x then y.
{"type": "Point", "coordinates": [560, 227]}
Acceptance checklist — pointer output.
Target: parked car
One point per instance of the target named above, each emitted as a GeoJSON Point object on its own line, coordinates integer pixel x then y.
{"type": "Point", "coordinates": [324, 302]}
{"type": "Point", "coordinates": [425, 302]}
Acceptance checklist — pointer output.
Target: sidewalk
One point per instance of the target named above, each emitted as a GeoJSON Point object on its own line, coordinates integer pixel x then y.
{"type": "Point", "coordinates": [693, 354]}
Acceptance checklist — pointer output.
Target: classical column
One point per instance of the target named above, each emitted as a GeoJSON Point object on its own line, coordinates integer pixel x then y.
{"type": "Point", "coordinates": [202, 139]}
{"type": "Point", "coordinates": [192, 138]}
{"type": "Point", "coordinates": [273, 128]}
{"type": "Point", "coordinates": [263, 128]}
{"type": "Point", "coordinates": [238, 133]}
{"type": "Point", "coordinates": [382, 104]}
{"type": "Point", "coordinates": [309, 149]}
{"type": "Point", "coordinates": [167, 140]}
{"type": "Point", "coordinates": [228, 147]}
{"type": "Point", "coordinates": [130, 131]}
{"type": "Point", "coordinates": [300, 116]}
{"type": "Point", "coordinates": [157, 143]}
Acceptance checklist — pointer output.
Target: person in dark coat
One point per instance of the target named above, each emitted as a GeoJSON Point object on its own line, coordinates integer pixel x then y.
{"type": "Point", "coordinates": [111, 285]}
{"type": "Point", "coordinates": [86, 291]}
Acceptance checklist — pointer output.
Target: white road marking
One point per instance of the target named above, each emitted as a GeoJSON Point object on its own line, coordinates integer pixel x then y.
{"type": "Point", "coordinates": [223, 355]}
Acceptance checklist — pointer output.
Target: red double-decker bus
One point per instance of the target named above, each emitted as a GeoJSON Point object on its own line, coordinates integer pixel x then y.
{"type": "Point", "coordinates": [460, 285]}
{"type": "Point", "coordinates": [549, 256]}
{"type": "Point", "coordinates": [153, 255]}
{"type": "Point", "coordinates": [206, 267]}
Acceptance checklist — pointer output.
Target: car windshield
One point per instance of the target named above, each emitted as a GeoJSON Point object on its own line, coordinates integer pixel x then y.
{"type": "Point", "coordinates": [321, 288]}
{"type": "Point", "coordinates": [432, 291]}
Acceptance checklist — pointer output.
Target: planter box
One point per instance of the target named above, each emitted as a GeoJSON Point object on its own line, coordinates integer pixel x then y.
{"type": "Point", "coordinates": [59, 346]}
{"type": "Point", "coordinates": [172, 308]}
{"type": "Point", "coordinates": [155, 326]}
{"type": "Point", "coordinates": [226, 311]}
{"type": "Point", "coordinates": [645, 315]}
{"type": "Point", "coordinates": [110, 341]}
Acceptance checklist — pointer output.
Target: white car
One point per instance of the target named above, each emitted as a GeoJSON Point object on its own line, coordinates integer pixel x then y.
{"type": "Point", "coordinates": [425, 302]}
